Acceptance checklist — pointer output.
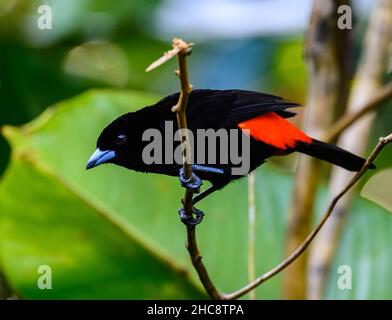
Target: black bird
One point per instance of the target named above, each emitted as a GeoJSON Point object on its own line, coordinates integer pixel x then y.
{"type": "Point", "coordinates": [257, 116]}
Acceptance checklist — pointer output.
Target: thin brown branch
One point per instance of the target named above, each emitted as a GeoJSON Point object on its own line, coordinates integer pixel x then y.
{"type": "Point", "coordinates": [199, 265]}
{"type": "Point", "coordinates": [280, 267]}
{"type": "Point", "coordinates": [343, 123]}
{"type": "Point", "coordinates": [182, 50]}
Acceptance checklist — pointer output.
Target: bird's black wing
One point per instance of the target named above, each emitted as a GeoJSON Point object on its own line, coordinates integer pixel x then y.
{"type": "Point", "coordinates": [250, 104]}
{"type": "Point", "coordinates": [226, 108]}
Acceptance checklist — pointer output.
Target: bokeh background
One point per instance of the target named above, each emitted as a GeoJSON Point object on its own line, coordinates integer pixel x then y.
{"type": "Point", "coordinates": [110, 233]}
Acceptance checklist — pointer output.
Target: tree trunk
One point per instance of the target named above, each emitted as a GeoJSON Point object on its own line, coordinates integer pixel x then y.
{"type": "Point", "coordinates": [369, 78]}
{"type": "Point", "coordinates": [325, 52]}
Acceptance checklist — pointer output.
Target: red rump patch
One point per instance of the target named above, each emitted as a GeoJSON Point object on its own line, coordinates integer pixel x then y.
{"type": "Point", "coordinates": [274, 130]}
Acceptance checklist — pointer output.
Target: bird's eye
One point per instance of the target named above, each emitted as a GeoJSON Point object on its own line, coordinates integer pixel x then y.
{"type": "Point", "coordinates": [121, 138]}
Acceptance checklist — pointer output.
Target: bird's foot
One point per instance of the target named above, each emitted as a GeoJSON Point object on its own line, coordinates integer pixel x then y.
{"type": "Point", "coordinates": [193, 183]}
{"type": "Point", "coordinates": [189, 220]}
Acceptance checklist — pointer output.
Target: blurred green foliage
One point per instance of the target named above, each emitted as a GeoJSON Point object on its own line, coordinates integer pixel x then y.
{"type": "Point", "coordinates": [40, 67]}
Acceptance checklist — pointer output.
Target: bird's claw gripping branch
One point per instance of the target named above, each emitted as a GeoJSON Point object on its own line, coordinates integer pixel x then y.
{"type": "Point", "coordinates": [190, 220]}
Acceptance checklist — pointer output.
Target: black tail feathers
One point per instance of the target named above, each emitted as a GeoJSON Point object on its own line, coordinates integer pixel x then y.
{"type": "Point", "coordinates": [332, 154]}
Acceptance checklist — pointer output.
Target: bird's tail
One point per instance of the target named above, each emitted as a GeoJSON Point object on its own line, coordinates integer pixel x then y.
{"type": "Point", "coordinates": [332, 154]}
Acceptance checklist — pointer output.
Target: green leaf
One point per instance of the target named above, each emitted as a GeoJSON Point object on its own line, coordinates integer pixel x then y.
{"type": "Point", "coordinates": [47, 223]}
{"type": "Point", "coordinates": [45, 220]}
{"type": "Point", "coordinates": [378, 189]}
{"type": "Point", "coordinates": [366, 248]}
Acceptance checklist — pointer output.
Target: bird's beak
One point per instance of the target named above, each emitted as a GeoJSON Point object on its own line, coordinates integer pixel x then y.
{"type": "Point", "coordinates": [100, 157]}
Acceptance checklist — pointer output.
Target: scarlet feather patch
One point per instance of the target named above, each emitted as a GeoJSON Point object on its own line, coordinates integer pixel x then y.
{"type": "Point", "coordinates": [274, 130]}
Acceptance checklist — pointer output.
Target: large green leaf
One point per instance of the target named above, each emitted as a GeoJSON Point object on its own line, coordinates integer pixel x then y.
{"type": "Point", "coordinates": [47, 223]}
{"type": "Point", "coordinates": [45, 220]}
{"type": "Point", "coordinates": [366, 248]}
{"type": "Point", "coordinates": [48, 198]}
{"type": "Point", "coordinates": [378, 189]}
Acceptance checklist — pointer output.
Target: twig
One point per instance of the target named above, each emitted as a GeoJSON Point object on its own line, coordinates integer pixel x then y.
{"type": "Point", "coordinates": [166, 57]}
{"type": "Point", "coordinates": [251, 231]}
{"type": "Point", "coordinates": [343, 123]}
{"type": "Point", "coordinates": [181, 49]}
{"type": "Point", "coordinates": [280, 267]}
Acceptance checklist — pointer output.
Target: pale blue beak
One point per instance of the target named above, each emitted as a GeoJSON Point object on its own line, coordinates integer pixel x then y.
{"type": "Point", "coordinates": [100, 157]}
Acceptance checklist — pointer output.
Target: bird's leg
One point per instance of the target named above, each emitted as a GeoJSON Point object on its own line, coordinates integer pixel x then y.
{"type": "Point", "coordinates": [204, 194]}
{"type": "Point", "coordinates": [188, 219]}
{"type": "Point", "coordinates": [194, 184]}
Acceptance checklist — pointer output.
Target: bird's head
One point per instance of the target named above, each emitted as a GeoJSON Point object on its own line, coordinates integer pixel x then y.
{"type": "Point", "coordinates": [116, 143]}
